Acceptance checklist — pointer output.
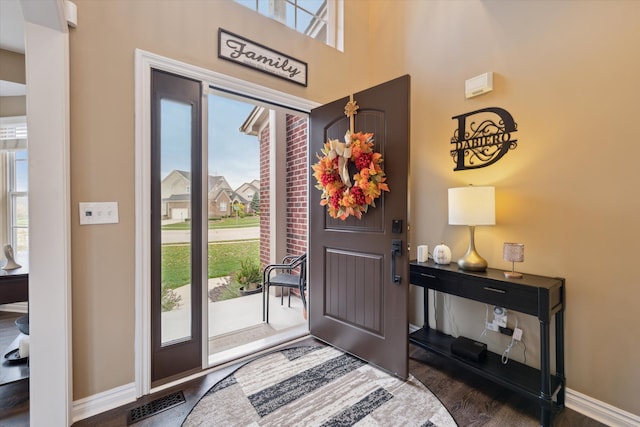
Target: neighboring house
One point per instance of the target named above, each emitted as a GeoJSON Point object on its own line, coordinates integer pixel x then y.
{"type": "Point", "coordinates": [237, 199]}
{"type": "Point", "coordinates": [176, 196]}
{"type": "Point", "coordinates": [219, 202]}
{"type": "Point", "coordinates": [248, 189]}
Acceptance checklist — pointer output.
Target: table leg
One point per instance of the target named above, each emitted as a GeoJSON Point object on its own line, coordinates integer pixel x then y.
{"type": "Point", "coordinates": [545, 375]}
{"type": "Point", "coordinates": [425, 302]}
{"type": "Point", "coordinates": [560, 356]}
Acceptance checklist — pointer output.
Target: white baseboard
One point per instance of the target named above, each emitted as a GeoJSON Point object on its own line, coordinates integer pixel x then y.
{"type": "Point", "coordinates": [590, 407]}
{"type": "Point", "coordinates": [16, 307]}
{"type": "Point", "coordinates": [600, 411]}
{"type": "Point", "coordinates": [102, 402]}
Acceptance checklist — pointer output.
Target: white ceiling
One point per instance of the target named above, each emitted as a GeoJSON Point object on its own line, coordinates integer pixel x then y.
{"type": "Point", "coordinates": [11, 26]}
{"type": "Point", "coordinates": [11, 38]}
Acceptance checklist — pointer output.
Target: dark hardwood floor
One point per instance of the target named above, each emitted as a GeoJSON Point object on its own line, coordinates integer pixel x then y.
{"type": "Point", "coordinates": [10, 370]}
{"type": "Point", "coordinates": [471, 400]}
{"type": "Point", "coordinates": [14, 396]}
{"type": "Point", "coordinates": [474, 401]}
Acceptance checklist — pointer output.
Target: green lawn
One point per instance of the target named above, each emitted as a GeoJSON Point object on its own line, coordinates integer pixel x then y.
{"type": "Point", "coordinates": [224, 258]}
{"type": "Point", "coordinates": [247, 221]}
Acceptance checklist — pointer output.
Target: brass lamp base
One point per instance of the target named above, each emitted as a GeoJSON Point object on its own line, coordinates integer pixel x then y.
{"type": "Point", "coordinates": [472, 261]}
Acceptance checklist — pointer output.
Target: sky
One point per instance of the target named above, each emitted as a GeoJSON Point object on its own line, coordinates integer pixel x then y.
{"type": "Point", "coordinates": [303, 18]}
{"type": "Point", "coordinates": [232, 154]}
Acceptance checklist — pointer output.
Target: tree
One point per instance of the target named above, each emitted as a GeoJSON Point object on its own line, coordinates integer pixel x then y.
{"type": "Point", "coordinates": [255, 202]}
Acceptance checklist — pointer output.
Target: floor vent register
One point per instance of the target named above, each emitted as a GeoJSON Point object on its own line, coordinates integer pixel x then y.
{"type": "Point", "coordinates": [155, 406]}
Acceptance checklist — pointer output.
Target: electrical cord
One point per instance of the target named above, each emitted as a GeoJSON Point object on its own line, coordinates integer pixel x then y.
{"type": "Point", "coordinates": [524, 352]}
{"type": "Point", "coordinates": [486, 321]}
{"type": "Point", "coordinates": [505, 353]}
{"type": "Point", "coordinates": [435, 308]}
{"type": "Point", "coordinates": [449, 312]}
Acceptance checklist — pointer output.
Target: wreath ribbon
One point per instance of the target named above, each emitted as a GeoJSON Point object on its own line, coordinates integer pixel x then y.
{"type": "Point", "coordinates": [342, 150]}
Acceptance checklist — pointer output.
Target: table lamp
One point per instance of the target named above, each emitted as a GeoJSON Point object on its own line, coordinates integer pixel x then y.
{"type": "Point", "coordinates": [513, 252]}
{"type": "Point", "coordinates": [472, 206]}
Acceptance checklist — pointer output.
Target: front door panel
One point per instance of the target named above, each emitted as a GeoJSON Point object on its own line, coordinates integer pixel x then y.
{"type": "Point", "coordinates": [355, 303]}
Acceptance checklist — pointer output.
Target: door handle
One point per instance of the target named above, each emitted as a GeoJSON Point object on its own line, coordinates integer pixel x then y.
{"type": "Point", "coordinates": [396, 249]}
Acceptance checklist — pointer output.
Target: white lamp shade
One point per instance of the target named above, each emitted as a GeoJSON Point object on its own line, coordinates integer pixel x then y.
{"type": "Point", "coordinates": [472, 206]}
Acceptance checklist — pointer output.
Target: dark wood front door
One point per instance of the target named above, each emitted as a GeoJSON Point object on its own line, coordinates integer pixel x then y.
{"type": "Point", "coordinates": [355, 303]}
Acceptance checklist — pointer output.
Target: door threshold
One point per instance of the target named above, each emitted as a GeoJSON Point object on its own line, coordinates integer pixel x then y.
{"type": "Point", "coordinates": [254, 348]}
{"type": "Point", "coordinates": [243, 353]}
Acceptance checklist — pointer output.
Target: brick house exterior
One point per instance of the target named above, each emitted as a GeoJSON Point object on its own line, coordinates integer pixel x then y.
{"type": "Point", "coordinates": [297, 177]}
{"type": "Point", "coordinates": [296, 188]}
{"type": "Point", "coordinates": [265, 188]}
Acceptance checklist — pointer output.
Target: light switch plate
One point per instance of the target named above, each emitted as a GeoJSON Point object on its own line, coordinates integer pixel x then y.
{"type": "Point", "coordinates": [98, 213]}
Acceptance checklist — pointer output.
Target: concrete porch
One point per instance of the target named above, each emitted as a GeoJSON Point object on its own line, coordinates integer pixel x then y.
{"type": "Point", "coordinates": [238, 320]}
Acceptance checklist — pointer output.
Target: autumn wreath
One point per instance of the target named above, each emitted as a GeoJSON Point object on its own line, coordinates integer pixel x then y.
{"type": "Point", "coordinates": [332, 171]}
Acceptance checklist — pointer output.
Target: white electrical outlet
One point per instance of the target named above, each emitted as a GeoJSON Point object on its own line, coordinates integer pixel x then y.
{"type": "Point", "coordinates": [491, 326]}
{"type": "Point", "coordinates": [517, 334]}
{"type": "Point", "coordinates": [500, 316]}
{"type": "Point", "coordinates": [98, 213]}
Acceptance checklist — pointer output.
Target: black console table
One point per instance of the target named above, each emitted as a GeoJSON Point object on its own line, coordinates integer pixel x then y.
{"type": "Point", "coordinates": [14, 285]}
{"type": "Point", "coordinates": [538, 296]}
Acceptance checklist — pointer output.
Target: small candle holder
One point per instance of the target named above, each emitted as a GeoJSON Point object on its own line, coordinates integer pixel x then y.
{"type": "Point", "coordinates": [513, 252]}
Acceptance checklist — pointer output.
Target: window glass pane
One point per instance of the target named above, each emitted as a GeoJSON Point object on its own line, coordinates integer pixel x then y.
{"type": "Point", "coordinates": [21, 225]}
{"type": "Point", "coordinates": [21, 211]}
{"type": "Point", "coordinates": [21, 170]}
{"type": "Point", "coordinates": [251, 4]}
{"type": "Point", "coordinates": [22, 243]}
{"type": "Point", "coordinates": [310, 17]}
{"type": "Point", "coordinates": [304, 19]}
{"type": "Point", "coordinates": [291, 16]}
{"type": "Point", "coordinates": [263, 7]}
{"type": "Point", "coordinates": [176, 257]}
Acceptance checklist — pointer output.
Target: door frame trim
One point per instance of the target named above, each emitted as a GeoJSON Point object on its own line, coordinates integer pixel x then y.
{"type": "Point", "coordinates": [144, 62]}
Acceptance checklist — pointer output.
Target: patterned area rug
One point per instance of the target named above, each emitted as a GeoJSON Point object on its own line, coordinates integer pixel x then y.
{"type": "Point", "coordinates": [316, 386]}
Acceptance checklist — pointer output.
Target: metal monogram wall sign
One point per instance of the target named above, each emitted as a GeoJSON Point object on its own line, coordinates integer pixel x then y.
{"type": "Point", "coordinates": [250, 54]}
{"type": "Point", "coordinates": [482, 138]}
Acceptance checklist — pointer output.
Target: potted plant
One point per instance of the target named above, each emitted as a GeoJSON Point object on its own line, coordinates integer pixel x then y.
{"type": "Point", "coordinates": [248, 277]}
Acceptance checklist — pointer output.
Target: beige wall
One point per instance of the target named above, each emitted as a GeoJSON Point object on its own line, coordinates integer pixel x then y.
{"type": "Point", "coordinates": [566, 71]}
{"type": "Point", "coordinates": [563, 69]}
{"type": "Point", "coordinates": [12, 70]}
{"type": "Point", "coordinates": [102, 145]}
{"type": "Point", "coordinates": [12, 66]}
{"type": "Point", "coordinates": [13, 106]}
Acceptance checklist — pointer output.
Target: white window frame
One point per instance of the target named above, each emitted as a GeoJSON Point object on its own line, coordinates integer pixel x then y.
{"type": "Point", "coordinates": [144, 63]}
{"type": "Point", "coordinates": [332, 15]}
{"type": "Point", "coordinates": [13, 138]}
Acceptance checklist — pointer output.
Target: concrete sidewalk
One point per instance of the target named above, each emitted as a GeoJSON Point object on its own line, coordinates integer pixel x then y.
{"type": "Point", "coordinates": [214, 235]}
